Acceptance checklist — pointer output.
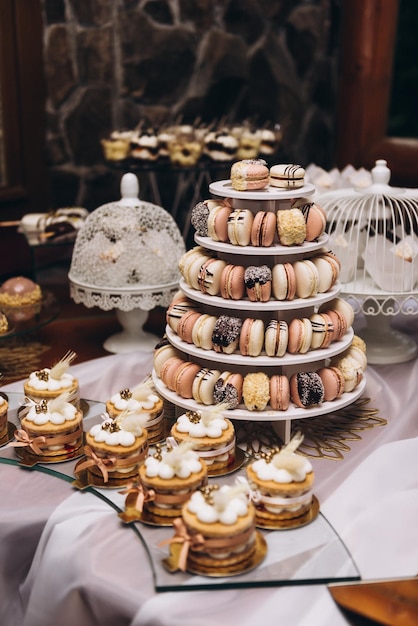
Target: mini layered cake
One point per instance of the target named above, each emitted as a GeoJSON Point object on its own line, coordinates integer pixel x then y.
{"type": "Point", "coordinates": [169, 478]}
{"type": "Point", "coordinates": [141, 400]}
{"type": "Point", "coordinates": [49, 383]}
{"type": "Point", "coordinates": [4, 406]}
{"type": "Point", "coordinates": [220, 525]}
{"type": "Point", "coordinates": [212, 435]}
{"type": "Point", "coordinates": [282, 482]}
{"type": "Point", "coordinates": [50, 430]}
{"type": "Point", "coordinates": [115, 449]}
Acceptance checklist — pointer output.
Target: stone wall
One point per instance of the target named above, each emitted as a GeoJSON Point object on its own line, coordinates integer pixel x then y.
{"type": "Point", "coordinates": [112, 63]}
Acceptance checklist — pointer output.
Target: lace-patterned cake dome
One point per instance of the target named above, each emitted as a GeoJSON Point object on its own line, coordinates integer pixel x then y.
{"type": "Point", "coordinates": [126, 254]}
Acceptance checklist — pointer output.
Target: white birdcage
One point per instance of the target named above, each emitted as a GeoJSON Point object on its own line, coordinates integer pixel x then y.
{"type": "Point", "coordinates": [126, 258]}
{"type": "Point", "coordinates": [374, 232]}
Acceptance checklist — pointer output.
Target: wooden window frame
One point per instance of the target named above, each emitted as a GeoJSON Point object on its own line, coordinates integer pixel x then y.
{"type": "Point", "coordinates": [23, 108]}
{"type": "Point", "coordinates": [368, 43]}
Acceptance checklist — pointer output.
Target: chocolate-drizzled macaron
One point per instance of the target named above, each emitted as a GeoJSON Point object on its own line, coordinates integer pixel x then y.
{"type": "Point", "coordinates": [225, 336]}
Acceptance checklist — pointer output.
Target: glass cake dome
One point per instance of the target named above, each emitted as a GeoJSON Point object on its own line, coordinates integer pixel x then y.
{"type": "Point", "coordinates": [126, 258]}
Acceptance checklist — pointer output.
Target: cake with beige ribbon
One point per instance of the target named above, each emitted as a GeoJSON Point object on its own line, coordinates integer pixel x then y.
{"type": "Point", "coordinates": [143, 400]}
{"type": "Point", "coordinates": [212, 435]}
{"type": "Point", "coordinates": [50, 429]}
{"type": "Point", "coordinates": [49, 383]}
{"type": "Point", "coordinates": [168, 478]}
{"type": "Point", "coordinates": [218, 528]}
{"type": "Point", "coordinates": [281, 482]}
{"type": "Point", "coordinates": [115, 448]}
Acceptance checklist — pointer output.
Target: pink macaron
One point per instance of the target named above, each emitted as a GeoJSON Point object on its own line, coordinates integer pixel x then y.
{"type": "Point", "coordinates": [333, 382]}
{"type": "Point", "coordinates": [279, 392]}
{"type": "Point", "coordinates": [232, 282]}
{"type": "Point", "coordinates": [258, 281]}
{"type": "Point", "coordinates": [217, 222]}
{"type": "Point", "coordinates": [249, 175]}
{"type": "Point", "coordinates": [315, 218]}
{"type": "Point", "coordinates": [186, 324]}
{"type": "Point", "coordinates": [184, 377]}
{"type": "Point", "coordinates": [283, 281]}
{"type": "Point", "coordinates": [168, 371]}
{"type": "Point", "coordinates": [251, 338]}
{"type": "Point", "coordinates": [263, 229]}
{"type": "Point", "coordinates": [300, 336]}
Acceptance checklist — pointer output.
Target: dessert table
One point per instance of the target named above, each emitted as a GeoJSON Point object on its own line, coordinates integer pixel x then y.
{"type": "Point", "coordinates": [67, 558]}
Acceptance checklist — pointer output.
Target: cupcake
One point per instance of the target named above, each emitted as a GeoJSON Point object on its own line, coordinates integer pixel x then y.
{"type": "Point", "coordinates": [49, 383]}
{"type": "Point", "coordinates": [281, 481]}
{"type": "Point", "coordinates": [169, 477]}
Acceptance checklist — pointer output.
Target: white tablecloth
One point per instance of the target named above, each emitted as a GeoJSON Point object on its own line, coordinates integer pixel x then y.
{"type": "Point", "coordinates": [65, 558]}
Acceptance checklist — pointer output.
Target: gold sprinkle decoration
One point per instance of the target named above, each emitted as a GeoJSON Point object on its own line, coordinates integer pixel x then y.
{"type": "Point", "coordinates": [42, 407]}
{"type": "Point", "coordinates": [125, 394]}
{"type": "Point", "coordinates": [111, 427]}
{"type": "Point", "coordinates": [324, 436]}
{"type": "Point", "coordinates": [207, 492]}
{"type": "Point", "coordinates": [42, 375]}
{"type": "Point", "coordinates": [158, 453]}
{"type": "Point", "coordinates": [194, 416]}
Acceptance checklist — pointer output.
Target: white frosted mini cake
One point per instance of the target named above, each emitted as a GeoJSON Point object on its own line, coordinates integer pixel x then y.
{"type": "Point", "coordinates": [49, 383]}
{"type": "Point", "coordinates": [169, 478]}
{"type": "Point", "coordinates": [51, 428]}
{"type": "Point", "coordinates": [212, 435]}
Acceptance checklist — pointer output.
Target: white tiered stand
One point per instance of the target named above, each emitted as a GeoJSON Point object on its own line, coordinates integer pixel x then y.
{"type": "Point", "coordinates": [270, 199]}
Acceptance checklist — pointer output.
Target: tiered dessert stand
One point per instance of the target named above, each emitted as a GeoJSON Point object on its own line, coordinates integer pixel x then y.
{"type": "Point", "coordinates": [270, 199]}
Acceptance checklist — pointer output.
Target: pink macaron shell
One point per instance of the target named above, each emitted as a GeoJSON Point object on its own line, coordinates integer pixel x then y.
{"type": "Point", "coordinates": [232, 282]}
{"type": "Point", "coordinates": [168, 371]}
{"type": "Point", "coordinates": [333, 382]}
{"type": "Point", "coordinates": [249, 174]}
{"type": "Point", "coordinates": [251, 337]}
{"type": "Point", "coordinates": [263, 229]}
{"type": "Point", "coordinates": [279, 392]}
{"type": "Point", "coordinates": [340, 323]}
{"type": "Point", "coordinates": [339, 304]}
{"type": "Point", "coordinates": [315, 222]}
{"type": "Point", "coordinates": [218, 222]}
{"type": "Point", "coordinates": [186, 324]}
{"type": "Point", "coordinates": [296, 331]}
{"type": "Point", "coordinates": [184, 378]}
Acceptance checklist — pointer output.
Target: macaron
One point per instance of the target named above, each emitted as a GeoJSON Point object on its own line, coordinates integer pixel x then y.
{"type": "Point", "coordinates": [186, 324]}
{"type": "Point", "coordinates": [326, 273]}
{"type": "Point", "coordinates": [306, 389]}
{"type": "Point", "coordinates": [162, 352]}
{"type": "Point", "coordinates": [256, 391]}
{"type": "Point", "coordinates": [228, 388]}
{"type": "Point", "coordinates": [276, 338]}
{"type": "Point", "coordinates": [333, 382]}
{"type": "Point", "coordinates": [209, 276]}
{"type": "Point", "coordinates": [263, 229]}
{"type": "Point", "coordinates": [339, 322]}
{"type": "Point", "coordinates": [287, 176]}
{"type": "Point", "coordinates": [283, 281]}
{"type": "Point", "coordinates": [322, 330]}
{"type": "Point", "coordinates": [258, 281]}
{"type": "Point", "coordinates": [184, 378]}
{"type": "Point", "coordinates": [339, 304]}
{"type": "Point", "coordinates": [315, 218]}
{"type": "Point", "coordinates": [300, 336]}
{"type": "Point", "coordinates": [190, 265]}
{"type": "Point", "coordinates": [232, 282]}
{"type": "Point", "coordinates": [350, 369]}
{"type": "Point", "coordinates": [239, 225]}
{"type": "Point", "coordinates": [279, 392]}
{"type": "Point", "coordinates": [226, 332]}
{"type": "Point", "coordinates": [251, 338]}
{"type": "Point", "coordinates": [358, 355]}
{"type": "Point", "coordinates": [199, 216]}
{"type": "Point", "coordinates": [204, 384]}
{"type": "Point", "coordinates": [176, 310]}
{"type": "Point", "coordinates": [168, 371]}
{"type": "Point", "coordinates": [202, 331]}
{"type": "Point", "coordinates": [217, 223]}
{"type": "Point", "coordinates": [291, 227]}
{"type": "Point", "coordinates": [307, 278]}
{"type": "Point", "coordinates": [249, 175]}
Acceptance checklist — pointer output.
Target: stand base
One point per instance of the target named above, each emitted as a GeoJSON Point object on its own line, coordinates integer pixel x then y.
{"type": "Point", "coordinates": [133, 337]}
{"type": "Point", "coordinates": [386, 345]}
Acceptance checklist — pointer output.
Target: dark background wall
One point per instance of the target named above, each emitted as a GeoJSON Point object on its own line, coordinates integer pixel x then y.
{"type": "Point", "coordinates": [111, 64]}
